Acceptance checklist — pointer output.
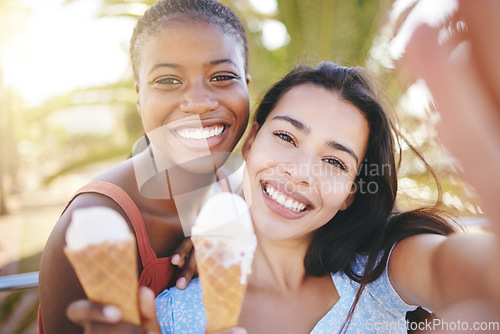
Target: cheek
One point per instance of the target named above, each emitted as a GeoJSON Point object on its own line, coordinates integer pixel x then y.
{"type": "Point", "coordinates": [256, 168]}
{"type": "Point", "coordinates": [335, 187]}
{"type": "Point", "coordinates": [156, 109]}
{"type": "Point", "coordinates": [238, 102]}
{"type": "Point", "coordinates": [335, 190]}
{"type": "Point", "coordinates": [259, 163]}
{"type": "Point", "coordinates": [149, 105]}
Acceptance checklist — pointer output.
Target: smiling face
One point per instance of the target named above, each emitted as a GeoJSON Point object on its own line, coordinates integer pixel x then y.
{"type": "Point", "coordinates": [192, 92]}
{"type": "Point", "coordinates": [302, 162]}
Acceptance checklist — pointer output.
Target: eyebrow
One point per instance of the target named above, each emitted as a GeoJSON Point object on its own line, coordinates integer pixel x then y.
{"type": "Point", "coordinates": [297, 124]}
{"type": "Point", "coordinates": [211, 63]}
{"type": "Point", "coordinates": [305, 129]}
{"type": "Point", "coordinates": [338, 146]}
{"type": "Point", "coordinates": [163, 65]}
{"type": "Point", "coordinates": [220, 61]}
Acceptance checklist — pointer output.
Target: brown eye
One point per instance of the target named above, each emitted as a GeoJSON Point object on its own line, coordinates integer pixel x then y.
{"type": "Point", "coordinates": [285, 137]}
{"type": "Point", "coordinates": [225, 77]}
{"type": "Point", "coordinates": [167, 81]}
{"type": "Point", "coordinates": [336, 163]}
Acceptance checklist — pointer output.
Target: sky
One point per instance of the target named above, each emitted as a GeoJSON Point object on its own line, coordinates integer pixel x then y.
{"type": "Point", "coordinates": [61, 47]}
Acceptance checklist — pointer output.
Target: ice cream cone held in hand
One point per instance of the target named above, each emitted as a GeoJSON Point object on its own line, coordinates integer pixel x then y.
{"type": "Point", "coordinates": [225, 244]}
{"type": "Point", "coordinates": [102, 250]}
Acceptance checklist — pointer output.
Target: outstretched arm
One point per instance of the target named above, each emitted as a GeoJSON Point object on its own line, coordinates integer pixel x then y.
{"type": "Point", "coordinates": [463, 75]}
{"type": "Point", "coordinates": [438, 272]}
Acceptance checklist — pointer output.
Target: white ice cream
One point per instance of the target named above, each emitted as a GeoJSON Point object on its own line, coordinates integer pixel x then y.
{"type": "Point", "coordinates": [94, 225]}
{"type": "Point", "coordinates": [226, 222]}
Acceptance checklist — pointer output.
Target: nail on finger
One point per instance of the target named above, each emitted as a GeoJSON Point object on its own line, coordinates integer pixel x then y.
{"type": "Point", "coordinates": [181, 283]}
{"type": "Point", "coordinates": [112, 313]}
{"type": "Point", "coordinates": [175, 259]}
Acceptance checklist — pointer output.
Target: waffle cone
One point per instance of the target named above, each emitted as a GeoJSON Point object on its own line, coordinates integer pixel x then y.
{"type": "Point", "coordinates": [223, 292]}
{"type": "Point", "coordinates": [108, 275]}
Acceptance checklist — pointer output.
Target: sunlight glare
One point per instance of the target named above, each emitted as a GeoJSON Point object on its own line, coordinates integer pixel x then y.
{"type": "Point", "coordinates": [64, 47]}
{"type": "Point", "coordinates": [274, 34]}
{"type": "Point", "coordinates": [265, 6]}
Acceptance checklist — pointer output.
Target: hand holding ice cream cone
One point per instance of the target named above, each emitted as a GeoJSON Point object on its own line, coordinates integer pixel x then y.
{"type": "Point", "coordinates": [102, 250]}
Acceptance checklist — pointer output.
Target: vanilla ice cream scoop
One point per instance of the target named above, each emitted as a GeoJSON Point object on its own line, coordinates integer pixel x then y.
{"type": "Point", "coordinates": [102, 250]}
{"type": "Point", "coordinates": [224, 244]}
{"type": "Point", "coordinates": [95, 225]}
{"type": "Point", "coordinates": [225, 222]}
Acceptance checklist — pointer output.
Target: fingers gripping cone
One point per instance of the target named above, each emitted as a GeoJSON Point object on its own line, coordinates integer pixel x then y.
{"type": "Point", "coordinates": [225, 244]}
{"type": "Point", "coordinates": [102, 251]}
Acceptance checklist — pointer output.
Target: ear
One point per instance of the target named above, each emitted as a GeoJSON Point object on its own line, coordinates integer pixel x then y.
{"type": "Point", "coordinates": [350, 198]}
{"type": "Point", "coordinates": [137, 102]}
{"type": "Point", "coordinates": [249, 141]}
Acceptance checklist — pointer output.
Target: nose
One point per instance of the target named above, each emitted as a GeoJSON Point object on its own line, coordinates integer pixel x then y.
{"type": "Point", "coordinates": [300, 170]}
{"type": "Point", "coordinates": [198, 99]}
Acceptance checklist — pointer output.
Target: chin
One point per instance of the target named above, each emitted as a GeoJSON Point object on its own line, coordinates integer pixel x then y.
{"type": "Point", "coordinates": [206, 164]}
{"type": "Point", "coordinates": [268, 229]}
{"type": "Point", "coordinates": [201, 165]}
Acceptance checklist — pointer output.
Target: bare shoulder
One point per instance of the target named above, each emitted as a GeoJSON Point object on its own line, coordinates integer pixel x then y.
{"type": "Point", "coordinates": [54, 261]}
{"type": "Point", "coordinates": [54, 265]}
{"type": "Point", "coordinates": [55, 241]}
{"type": "Point", "coordinates": [122, 175]}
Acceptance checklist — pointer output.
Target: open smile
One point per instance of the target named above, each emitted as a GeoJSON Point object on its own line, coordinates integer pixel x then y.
{"type": "Point", "coordinates": [198, 136]}
{"type": "Point", "coordinates": [201, 132]}
{"type": "Point", "coordinates": [288, 204]}
{"type": "Point", "coordinates": [284, 200]}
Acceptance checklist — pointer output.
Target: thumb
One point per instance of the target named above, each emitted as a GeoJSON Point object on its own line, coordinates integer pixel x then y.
{"type": "Point", "coordinates": [148, 311]}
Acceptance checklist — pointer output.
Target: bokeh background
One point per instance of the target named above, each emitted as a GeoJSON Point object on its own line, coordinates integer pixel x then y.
{"type": "Point", "coordinates": [67, 104]}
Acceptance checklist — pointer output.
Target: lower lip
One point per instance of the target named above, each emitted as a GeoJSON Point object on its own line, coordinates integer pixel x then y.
{"type": "Point", "coordinates": [202, 144]}
{"type": "Point", "coordinates": [280, 210]}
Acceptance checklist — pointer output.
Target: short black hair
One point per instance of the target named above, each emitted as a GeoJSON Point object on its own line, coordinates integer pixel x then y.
{"type": "Point", "coordinates": [211, 11]}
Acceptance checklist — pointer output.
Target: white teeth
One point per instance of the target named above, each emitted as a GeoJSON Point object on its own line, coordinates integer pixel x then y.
{"type": "Point", "coordinates": [284, 200]}
{"type": "Point", "coordinates": [281, 200]}
{"type": "Point", "coordinates": [275, 195]}
{"type": "Point", "coordinates": [200, 133]}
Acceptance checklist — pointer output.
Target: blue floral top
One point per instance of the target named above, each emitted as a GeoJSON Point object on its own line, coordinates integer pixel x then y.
{"type": "Point", "coordinates": [379, 310]}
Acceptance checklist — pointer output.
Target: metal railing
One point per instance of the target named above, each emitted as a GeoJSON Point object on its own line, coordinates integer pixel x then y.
{"type": "Point", "coordinates": [19, 281]}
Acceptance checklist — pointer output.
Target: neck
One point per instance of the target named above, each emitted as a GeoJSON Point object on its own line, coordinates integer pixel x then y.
{"type": "Point", "coordinates": [279, 264]}
{"type": "Point", "coordinates": [160, 178]}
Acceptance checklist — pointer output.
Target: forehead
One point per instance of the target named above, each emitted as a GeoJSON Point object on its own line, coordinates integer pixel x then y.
{"type": "Point", "coordinates": [316, 104]}
{"type": "Point", "coordinates": [191, 40]}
